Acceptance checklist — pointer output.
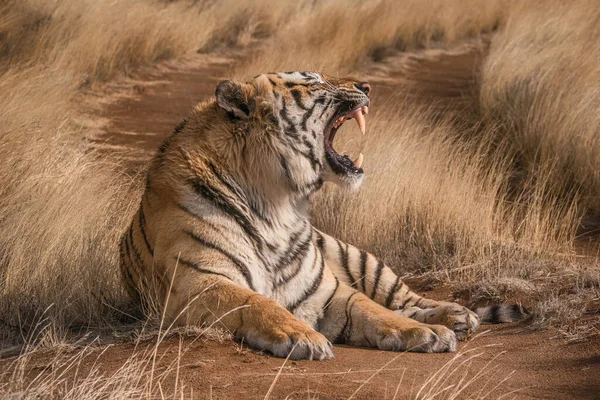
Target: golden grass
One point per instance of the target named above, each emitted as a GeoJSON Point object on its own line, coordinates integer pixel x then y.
{"type": "Point", "coordinates": [334, 36]}
{"type": "Point", "coordinates": [539, 85]}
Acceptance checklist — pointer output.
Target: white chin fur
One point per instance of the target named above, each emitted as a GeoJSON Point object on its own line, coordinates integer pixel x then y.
{"type": "Point", "coordinates": [350, 181]}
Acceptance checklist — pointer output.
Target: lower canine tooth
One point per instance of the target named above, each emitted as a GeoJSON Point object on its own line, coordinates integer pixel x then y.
{"type": "Point", "coordinates": [359, 160]}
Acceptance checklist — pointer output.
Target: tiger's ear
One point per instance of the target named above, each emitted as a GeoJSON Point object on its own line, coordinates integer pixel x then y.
{"type": "Point", "coordinates": [235, 98]}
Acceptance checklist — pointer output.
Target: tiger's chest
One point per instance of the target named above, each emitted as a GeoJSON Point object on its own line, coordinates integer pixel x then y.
{"type": "Point", "coordinates": [286, 262]}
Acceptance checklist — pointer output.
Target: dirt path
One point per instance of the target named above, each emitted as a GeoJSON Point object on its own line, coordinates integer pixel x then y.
{"type": "Point", "coordinates": [517, 358]}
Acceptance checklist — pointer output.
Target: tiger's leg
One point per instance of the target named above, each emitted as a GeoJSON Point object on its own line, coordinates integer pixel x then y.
{"type": "Point", "coordinates": [208, 298]}
{"type": "Point", "coordinates": [364, 272]}
{"type": "Point", "coordinates": [353, 318]}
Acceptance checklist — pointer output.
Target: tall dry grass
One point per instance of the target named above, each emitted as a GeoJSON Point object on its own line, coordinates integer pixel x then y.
{"type": "Point", "coordinates": [336, 35]}
{"type": "Point", "coordinates": [539, 86]}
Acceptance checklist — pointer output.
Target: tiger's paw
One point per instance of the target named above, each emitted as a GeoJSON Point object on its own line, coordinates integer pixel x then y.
{"type": "Point", "coordinates": [459, 319]}
{"type": "Point", "coordinates": [298, 342]}
{"type": "Point", "coordinates": [422, 339]}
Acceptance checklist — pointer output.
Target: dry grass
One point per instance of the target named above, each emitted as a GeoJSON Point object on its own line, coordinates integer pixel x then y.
{"type": "Point", "coordinates": [79, 370]}
{"type": "Point", "coordinates": [494, 203]}
{"type": "Point", "coordinates": [348, 32]}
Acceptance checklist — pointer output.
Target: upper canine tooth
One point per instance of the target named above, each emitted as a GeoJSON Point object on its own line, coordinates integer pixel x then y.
{"type": "Point", "coordinates": [365, 110]}
{"type": "Point", "coordinates": [359, 160]}
{"type": "Point", "coordinates": [360, 120]}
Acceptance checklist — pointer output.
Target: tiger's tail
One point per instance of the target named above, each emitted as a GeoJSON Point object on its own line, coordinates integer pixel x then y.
{"type": "Point", "coordinates": [501, 313]}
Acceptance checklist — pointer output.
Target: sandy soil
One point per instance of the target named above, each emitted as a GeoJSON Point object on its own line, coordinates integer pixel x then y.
{"type": "Point", "coordinates": [509, 361]}
{"type": "Point", "coordinates": [535, 364]}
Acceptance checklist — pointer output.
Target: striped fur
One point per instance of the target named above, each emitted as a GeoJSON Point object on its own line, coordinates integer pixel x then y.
{"type": "Point", "coordinates": [223, 229]}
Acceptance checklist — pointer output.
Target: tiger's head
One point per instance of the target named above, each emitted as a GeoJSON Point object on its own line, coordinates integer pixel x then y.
{"type": "Point", "coordinates": [287, 122]}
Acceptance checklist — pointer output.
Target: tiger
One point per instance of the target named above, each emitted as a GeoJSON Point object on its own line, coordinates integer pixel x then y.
{"type": "Point", "coordinates": [223, 235]}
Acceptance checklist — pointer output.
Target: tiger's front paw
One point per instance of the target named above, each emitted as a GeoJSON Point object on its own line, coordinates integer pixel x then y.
{"type": "Point", "coordinates": [459, 319]}
{"type": "Point", "coordinates": [421, 338]}
{"type": "Point", "coordinates": [296, 340]}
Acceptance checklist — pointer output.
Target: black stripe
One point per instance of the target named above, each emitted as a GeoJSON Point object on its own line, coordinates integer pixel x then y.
{"type": "Point", "coordinates": [298, 256]}
{"type": "Point", "coordinates": [311, 154]}
{"type": "Point", "coordinates": [390, 296]}
{"type": "Point", "coordinates": [495, 313]}
{"type": "Point", "coordinates": [325, 108]}
{"type": "Point", "coordinates": [142, 224]}
{"type": "Point", "coordinates": [408, 297]}
{"type": "Point", "coordinates": [320, 241]}
{"type": "Point", "coordinates": [238, 263]}
{"type": "Point", "coordinates": [312, 290]}
{"type": "Point", "coordinates": [343, 253]}
{"type": "Point", "coordinates": [330, 298]}
{"type": "Point", "coordinates": [420, 303]}
{"type": "Point", "coordinates": [137, 261]}
{"type": "Point", "coordinates": [230, 185]}
{"type": "Point", "coordinates": [314, 163]}
{"type": "Point", "coordinates": [286, 170]}
{"type": "Point", "coordinates": [327, 304]}
{"type": "Point", "coordinates": [201, 270]}
{"type": "Point", "coordinates": [344, 333]}
{"type": "Point", "coordinates": [291, 130]}
{"type": "Point", "coordinates": [307, 116]}
{"type": "Point", "coordinates": [297, 95]}
{"type": "Point", "coordinates": [130, 282]}
{"type": "Point", "coordinates": [218, 230]}
{"type": "Point", "coordinates": [204, 221]}
{"type": "Point", "coordinates": [294, 249]}
{"type": "Point", "coordinates": [217, 198]}
{"type": "Point", "coordinates": [363, 270]}
{"type": "Point", "coordinates": [234, 188]}
{"type": "Point", "coordinates": [138, 257]}
{"type": "Point", "coordinates": [180, 126]}
{"type": "Point", "coordinates": [378, 271]}
{"type": "Point", "coordinates": [273, 82]}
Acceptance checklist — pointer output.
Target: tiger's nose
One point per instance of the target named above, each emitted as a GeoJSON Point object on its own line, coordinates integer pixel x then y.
{"type": "Point", "coordinates": [363, 87]}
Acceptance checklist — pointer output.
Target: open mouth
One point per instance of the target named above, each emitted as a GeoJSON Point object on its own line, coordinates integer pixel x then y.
{"type": "Point", "coordinates": [342, 164]}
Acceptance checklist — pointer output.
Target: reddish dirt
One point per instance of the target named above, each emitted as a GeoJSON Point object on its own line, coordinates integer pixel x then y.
{"type": "Point", "coordinates": [510, 359]}
{"type": "Point", "coordinates": [534, 363]}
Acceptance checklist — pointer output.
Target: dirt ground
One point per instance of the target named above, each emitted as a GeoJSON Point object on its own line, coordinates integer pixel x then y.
{"type": "Point", "coordinates": [509, 361]}
{"type": "Point", "coordinates": [533, 364]}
